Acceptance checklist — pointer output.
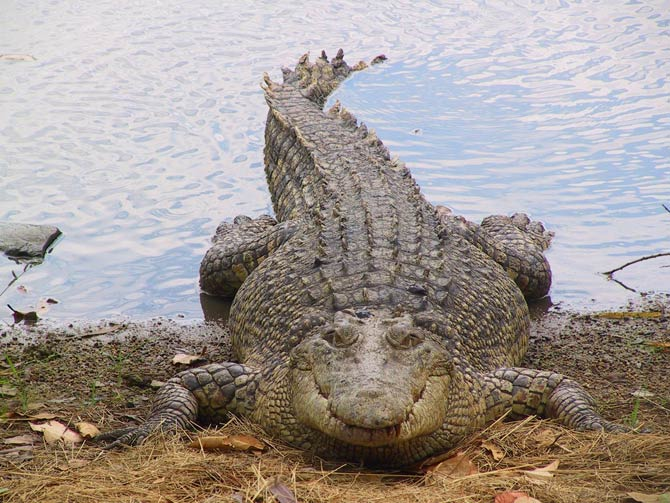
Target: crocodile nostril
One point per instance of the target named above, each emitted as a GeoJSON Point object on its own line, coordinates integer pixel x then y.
{"type": "Point", "coordinates": [402, 338]}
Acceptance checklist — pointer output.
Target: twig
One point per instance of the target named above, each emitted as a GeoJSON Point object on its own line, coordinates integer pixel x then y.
{"type": "Point", "coordinates": [622, 284]}
{"type": "Point", "coordinates": [16, 277]}
{"type": "Point", "coordinates": [646, 257]}
{"type": "Point", "coordinates": [666, 208]}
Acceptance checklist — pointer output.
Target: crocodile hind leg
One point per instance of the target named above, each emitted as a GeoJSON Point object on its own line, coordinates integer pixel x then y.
{"type": "Point", "coordinates": [204, 394]}
{"type": "Point", "coordinates": [516, 243]}
{"type": "Point", "coordinates": [527, 392]}
{"type": "Point", "coordinates": [238, 248]}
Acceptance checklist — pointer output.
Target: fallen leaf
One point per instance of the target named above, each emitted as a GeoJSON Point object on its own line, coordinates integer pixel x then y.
{"type": "Point", "coordinates": [546, 437]}
{"type": "Point", "coordinates": [650, 498]}
{"type": "Point", "coordinates": [19, 416]}
{"type": "Point", "coordinates": [42, 307]}
{"type": "Point", "coordinates": [234, 442]}
{"type": "Point", "coordinates": [642, 393]}
{"type": "Point", "coordinates": [42, 415]}
{"type": "Point", "coordinates": [495, 450]}
{"type": "Point", "coordinates": [16, 450]}
{"type": "Point", "coordinates": [72, 464]}
{"type": "Point", "coordinates": [35, 405]}
{"type": "Point", "coordinates": [55, 431]}
{"type": "Point", "coordinates": [184, 359]}
{"type": "Point", "coordinates": [156, 384]}
{"type": "Point", "coordinates": [27, 317]}
{"type": "Point", "coordinates": [7, 390]}
{"type": "Point", "coordinates": [616, 315]}
{"type": "Point", "coordinates": [508, 497]}
{"type": "Point", "coordinates": [17, 57]}
{"type": "Point", "coordinates": [281, 492]}
{"type": "Point", "coordinates": [87, 430]}
{"type": "Point", "coordinates": [543, 473]}
{"type": "Point", "coordinates": [514, 497]}
{"type": "Point", "coordinates": [27, 439]}
{"type": "Point", "coordinates": [101, 331]}
{"type": "Point", "coordinates": [21, 289]}
{"type": "Point", "coordinates": [663, 346]}
{"type": "Point", "coordinates": [458, 465]}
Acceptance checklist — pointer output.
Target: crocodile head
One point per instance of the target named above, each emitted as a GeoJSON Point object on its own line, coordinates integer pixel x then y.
{"type": "Point", "coordinates": [369, 378]}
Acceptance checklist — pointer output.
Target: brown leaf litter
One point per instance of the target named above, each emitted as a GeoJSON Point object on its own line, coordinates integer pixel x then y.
{"type": "Point", "coordinates": [590, 467]}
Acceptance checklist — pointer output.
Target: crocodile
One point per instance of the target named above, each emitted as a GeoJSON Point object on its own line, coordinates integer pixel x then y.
{"type": "Point", "coordinates": [367, 325]}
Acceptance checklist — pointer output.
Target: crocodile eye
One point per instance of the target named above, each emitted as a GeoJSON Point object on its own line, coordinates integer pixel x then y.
{"type": "Point", "coordinates": [404, 338]}
{"type": "Point", "coordinates": [340, 337]}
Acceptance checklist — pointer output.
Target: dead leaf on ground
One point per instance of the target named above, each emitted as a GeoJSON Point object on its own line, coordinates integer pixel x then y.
{"type": "Point", "coordinates": [650, 498]}
{"type": "Point", "coordinates": [281, 492]}
{"type": "Point", "coordinates": [496, 452]}
{"type": "Point", "coordinates": [546, 437]}
{"type": "Point", "coordinates": [101, 331]}
{"type": "Point", "coordinates": [459, 465]}
{"type": "Point", "coordinates": [17, 57]}
{"type": "Point", "coordinates": [87, 430]}
{"type": "Point", "coordinates": [233, 442]}
{"type": "Point", "coordinates": [617, 315]}
{"type": "Point", "coordinates": [21, 289]}
{"type": "Point", "coordinates": [35, 406]}
{"type": "Point", "coordinates": [662, 346]}
{"type": "Point", "coordinates": [72, 464]}
{"type": "Point", "coordinates": [20, 416]}
{"type": "Point", "coordinates": [55, 431]}
{"type": "Point", "coordinates": [18, 453]}
{"type": "Point", "coordinates": [27, 439]}
{"type": "Point", "coordinates": [26, 317]}
{"type": "Point", "coordinates": [514, 497]}
{"type": "Point", "coordinates": [544, 473]}
{"type": "Point", "coordinates": [7, 390]}
{"type": "Point", "coordinates": [185, 359]}
{"type": "Point", "coordinates": [43, 305]}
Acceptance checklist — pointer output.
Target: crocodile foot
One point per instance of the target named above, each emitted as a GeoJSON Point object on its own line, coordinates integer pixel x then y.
{"type": "Point", "coordinates": [237, 249]}
{"type": "Point", "coordinates": [516, 243]}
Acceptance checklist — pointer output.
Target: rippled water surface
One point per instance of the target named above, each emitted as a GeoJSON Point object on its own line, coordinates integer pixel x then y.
{"type": "Point", "coordinates": [140, 126]}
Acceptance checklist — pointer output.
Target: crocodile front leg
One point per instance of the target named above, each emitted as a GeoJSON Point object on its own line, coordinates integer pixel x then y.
{"type": "Point", "coordinates": [204, 394]}
{"type": "Point", "coordinates": [516, 243]}
{"type": "Point", "coordinates": [238, 249]}
{"type": "Point", "coordinates": [527, 392]}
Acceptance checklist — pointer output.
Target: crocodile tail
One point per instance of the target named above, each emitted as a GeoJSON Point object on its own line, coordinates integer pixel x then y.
{"type": "Point", "coordinates": [319, 79]}
{"type": "Point", "coordinates": [368, 135]}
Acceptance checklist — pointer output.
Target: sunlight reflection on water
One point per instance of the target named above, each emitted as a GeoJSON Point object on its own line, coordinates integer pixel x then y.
{"type": "Point", "coordinates": [140, 127]}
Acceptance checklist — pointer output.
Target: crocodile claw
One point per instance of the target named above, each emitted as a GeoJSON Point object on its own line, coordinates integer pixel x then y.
{"type": "Point", "coordinates": [132, 435]}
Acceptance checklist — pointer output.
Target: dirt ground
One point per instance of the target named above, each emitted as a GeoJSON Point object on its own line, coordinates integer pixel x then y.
{"type": "Point", "coordinates": [102, 373]}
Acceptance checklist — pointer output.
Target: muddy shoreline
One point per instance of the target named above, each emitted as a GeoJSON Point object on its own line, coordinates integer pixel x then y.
{"type": "Point", "coordinates": [106, 373]}
{"type": "Point", "coordinates": [87, 364]}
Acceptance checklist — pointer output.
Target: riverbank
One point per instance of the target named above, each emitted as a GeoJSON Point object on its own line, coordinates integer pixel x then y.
{"type": "Point", "coordinates": [103, 374]}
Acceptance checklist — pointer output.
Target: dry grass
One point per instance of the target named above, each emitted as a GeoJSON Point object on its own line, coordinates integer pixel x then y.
{"type": "Point", "coordinates": [593, 468]}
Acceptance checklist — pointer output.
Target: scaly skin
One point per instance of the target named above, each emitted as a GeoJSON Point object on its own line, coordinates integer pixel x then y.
{"type": "Point", "coordinates": [369, 325]}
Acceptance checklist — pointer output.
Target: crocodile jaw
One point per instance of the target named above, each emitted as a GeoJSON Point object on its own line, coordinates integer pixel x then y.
{"type": "Point", "coordinates": [423, 417]}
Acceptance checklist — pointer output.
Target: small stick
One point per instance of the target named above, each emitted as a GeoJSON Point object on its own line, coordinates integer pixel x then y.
{"type": "Point", "coordinates": [646, 257]}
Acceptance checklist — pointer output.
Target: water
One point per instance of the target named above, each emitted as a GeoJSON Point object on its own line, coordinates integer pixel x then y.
{"type": "Point", "coordinates": [140, 126]}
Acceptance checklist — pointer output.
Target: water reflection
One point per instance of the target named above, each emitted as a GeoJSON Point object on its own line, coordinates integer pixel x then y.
{"type": "Point", "coordinates": [140, 127]}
